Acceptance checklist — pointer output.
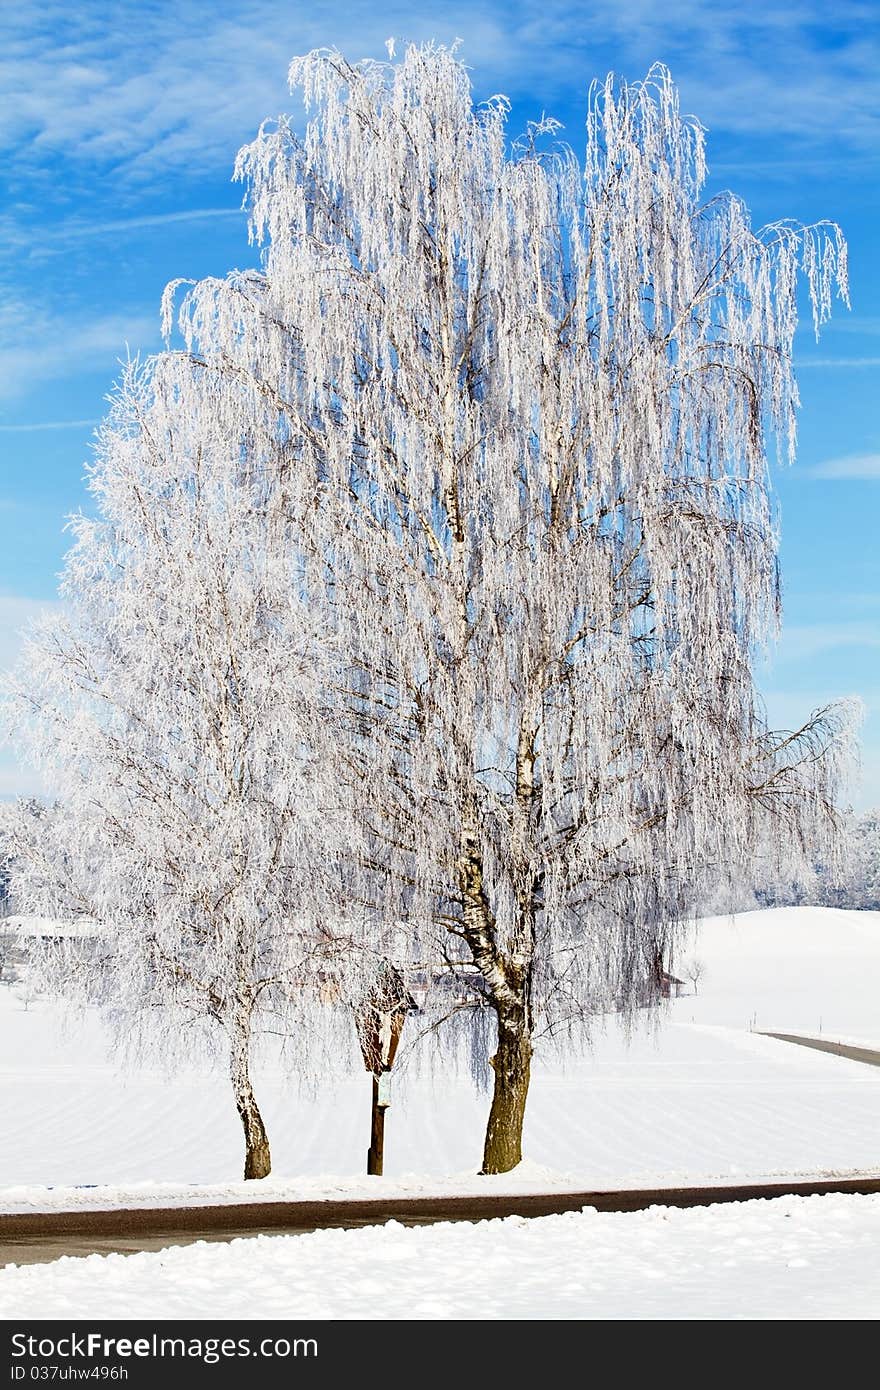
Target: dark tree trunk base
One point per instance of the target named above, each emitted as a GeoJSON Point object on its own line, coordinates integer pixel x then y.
{"type": "Point", "coordinates": [257, 1160]}
{"type": "Point", "coordinates": [512, 1066]}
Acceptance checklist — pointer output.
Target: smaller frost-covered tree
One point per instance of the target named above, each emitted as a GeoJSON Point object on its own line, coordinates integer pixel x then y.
{"type": "Point", "coordinates": [173, 709]}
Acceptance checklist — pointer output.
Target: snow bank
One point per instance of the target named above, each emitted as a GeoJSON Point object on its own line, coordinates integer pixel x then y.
{"type": "Point", "coordinates": [790, 1258]}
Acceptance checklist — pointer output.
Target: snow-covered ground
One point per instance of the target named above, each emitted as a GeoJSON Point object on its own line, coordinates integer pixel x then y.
{"type": "Point", "coordinates": [794, 1257]}
{"type": "Point", "coordinates": [700, 1098]}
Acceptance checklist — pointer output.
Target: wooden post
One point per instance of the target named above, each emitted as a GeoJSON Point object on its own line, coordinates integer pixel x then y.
{"type": "Point", "coordinates": [376, 1151]}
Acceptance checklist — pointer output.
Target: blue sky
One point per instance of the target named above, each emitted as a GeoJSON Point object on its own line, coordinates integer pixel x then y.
{"type": "Point", "coordinates": [120, 123]}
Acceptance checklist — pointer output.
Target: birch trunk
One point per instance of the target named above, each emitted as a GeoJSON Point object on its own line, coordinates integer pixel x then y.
{"type": "Point", "coordinates": [507, 986]}
{"type": "Point", "coordinates": [502, 1149]}
{"type": "Point", "coordinates": [258, 1160]}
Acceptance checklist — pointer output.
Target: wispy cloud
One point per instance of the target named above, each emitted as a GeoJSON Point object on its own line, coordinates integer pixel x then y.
{"type": "Point", "coordinates": [171, 91]}
{"type": "Point", "coordinates": [175, 92]}
{"type": "Point", "coordinates": [57, 237]}
{"type": "Point", "coordinates": [807, 640]}
{"type": "Point", "coordinates": [866, 325]}
{"type": "Point", "coordinates": [826, 362]}
{"type": "Point", "coordinates": [852, 466]}
{"type": "Point", "coordinates": [75, 230]}
{"type": "Point", "coordinates": [40, 346]}
{"type": "Point", "coordinates": [46, 425]}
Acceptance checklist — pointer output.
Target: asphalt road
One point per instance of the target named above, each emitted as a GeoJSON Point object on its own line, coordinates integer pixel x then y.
{"type": "Point", "coordinates": [868, 1055]}
{"type": "Point", "coordinates": [38, 1237]}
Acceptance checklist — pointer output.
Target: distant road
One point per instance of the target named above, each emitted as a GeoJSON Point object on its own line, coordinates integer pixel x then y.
{"type": "Point", "coordinates": [869, 1055]}
{"type": "Point", "coordinates": [38, 1237]}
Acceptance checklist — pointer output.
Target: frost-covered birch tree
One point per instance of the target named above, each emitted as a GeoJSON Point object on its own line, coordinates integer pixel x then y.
{"type": "Point", "coordinates": [174, 709]}
{"type": "Point", "coordinates": [528, 396]}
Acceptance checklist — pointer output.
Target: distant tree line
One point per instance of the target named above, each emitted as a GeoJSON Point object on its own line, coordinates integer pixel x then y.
{"type": "Point", "coordinates": [849, 879]}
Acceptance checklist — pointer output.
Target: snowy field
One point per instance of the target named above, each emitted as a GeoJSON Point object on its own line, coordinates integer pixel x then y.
{"type": "Point", "coordinates": [701, 1098]}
